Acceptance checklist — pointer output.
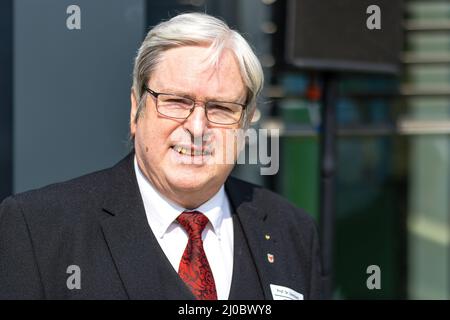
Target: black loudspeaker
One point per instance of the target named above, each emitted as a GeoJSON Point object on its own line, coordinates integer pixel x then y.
{"type": "Point", "coordinates": [345, 35]}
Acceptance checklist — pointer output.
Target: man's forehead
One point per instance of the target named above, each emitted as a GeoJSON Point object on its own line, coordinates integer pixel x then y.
{"type": "Point", "coordinates": [198, 59]}
{"type": "Point", "coordinates": [184, 68]}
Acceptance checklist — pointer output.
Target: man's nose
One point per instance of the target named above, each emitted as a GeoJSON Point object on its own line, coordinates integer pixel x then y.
{"type": "Point", "coordinates": [197, 122]}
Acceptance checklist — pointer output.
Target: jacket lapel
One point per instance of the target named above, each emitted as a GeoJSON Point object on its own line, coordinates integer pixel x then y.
{"type": "Point", "coordinates": [256, 224]}
{"type": "Point", "coordinates": [144, 269]}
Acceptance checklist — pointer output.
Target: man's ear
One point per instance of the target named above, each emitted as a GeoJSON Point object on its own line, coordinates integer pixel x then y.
{"type": "Point", "coordinates": [133, 111]}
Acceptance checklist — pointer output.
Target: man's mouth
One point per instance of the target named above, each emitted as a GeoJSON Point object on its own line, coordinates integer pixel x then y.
{"type": "Point", "coordinates": [191, 150]}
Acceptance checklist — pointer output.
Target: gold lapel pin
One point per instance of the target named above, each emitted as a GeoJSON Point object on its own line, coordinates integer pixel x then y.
{"type": "Point", "coordinates": [270, 258]}
{"type": "Point", "coordinates": [267, 236]}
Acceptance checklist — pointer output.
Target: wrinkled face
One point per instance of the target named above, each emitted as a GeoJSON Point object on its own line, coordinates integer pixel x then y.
{"type": "Point", "coordinates": [188, 160]}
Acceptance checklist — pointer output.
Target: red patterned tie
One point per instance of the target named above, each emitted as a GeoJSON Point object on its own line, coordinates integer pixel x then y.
{"type": "Point", "coordinates": [194, 267]}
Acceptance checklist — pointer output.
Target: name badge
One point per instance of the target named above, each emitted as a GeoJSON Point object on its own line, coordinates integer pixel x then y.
{"type": "Point", "coordinates": [284, 293]}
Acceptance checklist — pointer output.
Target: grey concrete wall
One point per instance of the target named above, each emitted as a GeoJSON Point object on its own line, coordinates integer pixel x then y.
{"type": "Point", "coordinates": [71, 87]}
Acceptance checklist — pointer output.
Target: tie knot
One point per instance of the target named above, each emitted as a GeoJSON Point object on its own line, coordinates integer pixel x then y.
{"type": "Point", "coordinates": [193, 222]}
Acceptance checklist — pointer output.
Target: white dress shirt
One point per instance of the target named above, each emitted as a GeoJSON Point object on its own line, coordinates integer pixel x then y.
{"type": "Point", "coordinates": [217, 235]}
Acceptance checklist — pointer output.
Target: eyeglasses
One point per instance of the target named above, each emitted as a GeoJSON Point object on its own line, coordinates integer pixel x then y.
{"type": "Point", "coordinates": [179, 107]}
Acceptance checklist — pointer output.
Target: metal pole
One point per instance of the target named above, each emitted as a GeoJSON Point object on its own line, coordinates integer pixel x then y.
{"type": "Point", "coordinates": [327, 177]}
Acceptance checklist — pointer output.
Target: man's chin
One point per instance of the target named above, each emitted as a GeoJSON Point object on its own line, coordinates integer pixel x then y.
{"type": "Point", "coordinates": [188, 186]}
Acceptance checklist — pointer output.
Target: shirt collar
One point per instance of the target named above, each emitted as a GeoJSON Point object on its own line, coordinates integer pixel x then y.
{"type": "Point", "coordinates": [163, 212]}
{"type": "Point", "coordinates": [213, 209]}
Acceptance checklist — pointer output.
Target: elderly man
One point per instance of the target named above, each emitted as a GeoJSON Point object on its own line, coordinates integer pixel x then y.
{"type": "Point", "coordinates": [167, 222]}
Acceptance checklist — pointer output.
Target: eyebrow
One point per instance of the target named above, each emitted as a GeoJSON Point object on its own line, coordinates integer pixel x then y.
{"type": "Point", "coordinates": [190, 96]}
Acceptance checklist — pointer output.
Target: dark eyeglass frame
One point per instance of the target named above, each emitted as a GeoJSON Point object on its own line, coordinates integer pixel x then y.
{"type": "Point", "coordinates": [194, 103]}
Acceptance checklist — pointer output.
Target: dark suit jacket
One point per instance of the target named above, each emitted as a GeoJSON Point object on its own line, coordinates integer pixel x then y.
{"type": "Point", "coordinates": [98, 223]}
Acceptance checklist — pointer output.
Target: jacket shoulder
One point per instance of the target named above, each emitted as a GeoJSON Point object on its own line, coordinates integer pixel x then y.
{"type": "Point", "coordinates": [86, 188]}
{"type": "Point", "coordinates": [65, 192]}
{"type": "Point", "coordinates": [270, 201]}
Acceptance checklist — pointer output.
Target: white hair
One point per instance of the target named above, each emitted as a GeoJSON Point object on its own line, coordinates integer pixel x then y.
{"type": "Point", "coordinates": [197, 29]}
